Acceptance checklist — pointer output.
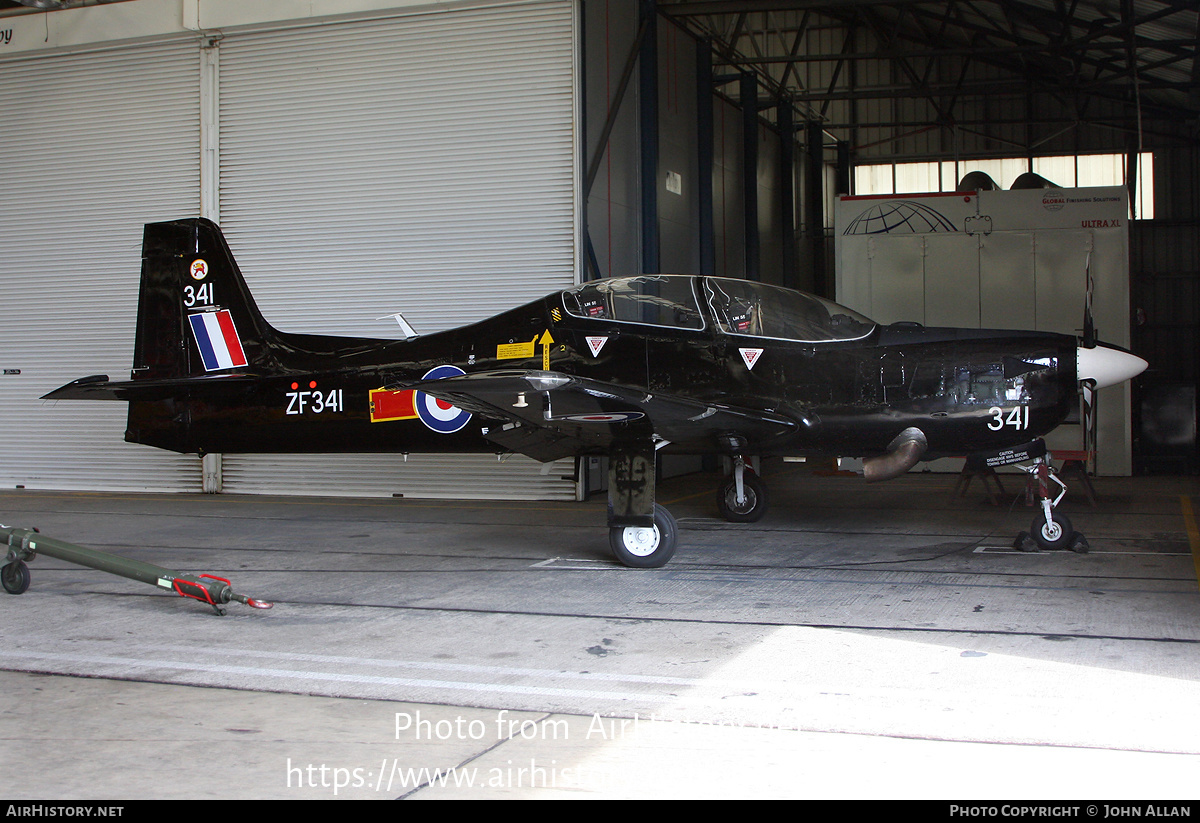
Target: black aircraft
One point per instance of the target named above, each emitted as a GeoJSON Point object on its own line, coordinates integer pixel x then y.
{"type": "Point", "coordinates": [625, 368]}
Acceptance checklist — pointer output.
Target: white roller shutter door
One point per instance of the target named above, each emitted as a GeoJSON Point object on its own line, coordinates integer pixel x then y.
{"type": "Point", "coordinates": [423, 164]}
{"type": "Point", "coordinates": [92, 146]}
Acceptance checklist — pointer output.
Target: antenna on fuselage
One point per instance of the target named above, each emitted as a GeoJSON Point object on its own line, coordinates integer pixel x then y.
{"type": "Point", "coordinates": [409, 331]}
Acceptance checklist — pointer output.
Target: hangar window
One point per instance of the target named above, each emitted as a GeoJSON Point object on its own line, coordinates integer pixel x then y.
{"type": "Point", "coordinates": [655, 300]}
{"type": "Point", "coordinates": [1068, 171]}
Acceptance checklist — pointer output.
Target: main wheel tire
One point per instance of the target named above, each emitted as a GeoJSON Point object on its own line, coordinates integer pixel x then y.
{"type": "Point", "coordinates": [752, 508]}
{"type": "Point", "coordinates": [15, 577]}
{"type": "Point", "coordinates": [644, 547]}
{"type": "Point", "coordinates": [1053, 535]}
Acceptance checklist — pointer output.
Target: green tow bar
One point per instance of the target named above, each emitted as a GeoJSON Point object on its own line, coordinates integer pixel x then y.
{"type": "Point", "coordinates": [25, 544]}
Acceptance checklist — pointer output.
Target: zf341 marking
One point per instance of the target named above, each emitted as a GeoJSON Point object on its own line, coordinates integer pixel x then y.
{"type": "Point", "coordinates": [313, 400]}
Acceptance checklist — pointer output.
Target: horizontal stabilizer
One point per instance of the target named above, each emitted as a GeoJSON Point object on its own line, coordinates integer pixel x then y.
{"type": "Point", "coordinates": [99, 387]}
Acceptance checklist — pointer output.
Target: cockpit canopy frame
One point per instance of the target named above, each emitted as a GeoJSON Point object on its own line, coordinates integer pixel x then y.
{"type": "Point", "coordinates": [733, 307]}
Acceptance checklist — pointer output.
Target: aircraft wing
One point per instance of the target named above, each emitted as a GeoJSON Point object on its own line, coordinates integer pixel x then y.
{"type": "Point", "coordinates": [551, 415]}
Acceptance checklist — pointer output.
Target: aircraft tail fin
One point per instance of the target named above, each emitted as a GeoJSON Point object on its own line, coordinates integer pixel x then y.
{"type": "Point", "coordinates": [196, 316]}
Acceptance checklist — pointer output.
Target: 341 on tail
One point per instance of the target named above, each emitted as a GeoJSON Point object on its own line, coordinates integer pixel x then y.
{"type": "Point", "coordinates": [627, 368]}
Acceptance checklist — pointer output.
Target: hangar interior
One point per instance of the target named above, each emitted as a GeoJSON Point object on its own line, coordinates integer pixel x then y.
{"type": "Point", "coordinates": [451, 159]}
{"type": "Point", "coordinates": [448, 160]}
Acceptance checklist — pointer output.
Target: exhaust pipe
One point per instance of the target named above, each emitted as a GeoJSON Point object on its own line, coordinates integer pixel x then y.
{"type": "Point", "coordinates": [903, 454]}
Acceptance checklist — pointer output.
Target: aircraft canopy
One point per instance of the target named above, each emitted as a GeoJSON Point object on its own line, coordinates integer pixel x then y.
{"type": "Point", "coordinates": [738, 307]}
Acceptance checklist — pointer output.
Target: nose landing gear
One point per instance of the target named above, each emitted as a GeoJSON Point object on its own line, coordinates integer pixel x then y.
{"type": "Point", "coordinates": [1050, 530]}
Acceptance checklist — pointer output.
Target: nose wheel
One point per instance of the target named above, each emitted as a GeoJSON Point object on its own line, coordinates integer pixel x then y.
{"type": "Point", "coordinates": [1050, 530]}
{"type": "Point", "coordinates": [1054, 533]}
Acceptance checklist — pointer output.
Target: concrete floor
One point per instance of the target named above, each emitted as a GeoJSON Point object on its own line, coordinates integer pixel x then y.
{"type": "Point", "coordinates": [861, 641]}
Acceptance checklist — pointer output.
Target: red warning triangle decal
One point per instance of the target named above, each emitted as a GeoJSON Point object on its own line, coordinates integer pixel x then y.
{"type": "Point", "coordinates": [596, 344]}
{"type": "Point", "coordinates": [750, 356]}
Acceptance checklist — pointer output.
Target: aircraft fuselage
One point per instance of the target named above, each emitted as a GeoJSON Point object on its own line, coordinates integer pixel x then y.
{"type": "Point", "coordinates": [968, 390]}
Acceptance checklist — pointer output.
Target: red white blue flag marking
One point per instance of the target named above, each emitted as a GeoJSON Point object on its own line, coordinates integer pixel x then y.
{"type": "Point", "coordinates": [218, 341]}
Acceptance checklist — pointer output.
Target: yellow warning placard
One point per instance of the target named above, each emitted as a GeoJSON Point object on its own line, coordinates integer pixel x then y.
{"type": "Point", "coordinates": [515, 351]}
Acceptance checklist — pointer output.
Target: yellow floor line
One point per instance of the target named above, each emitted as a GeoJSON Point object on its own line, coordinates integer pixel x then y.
{"type": "Point", "coordinates": [1189, 519]}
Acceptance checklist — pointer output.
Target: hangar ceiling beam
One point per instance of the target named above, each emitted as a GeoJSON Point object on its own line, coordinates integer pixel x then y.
{"type": "Point", "coordinates": [1077, 56]}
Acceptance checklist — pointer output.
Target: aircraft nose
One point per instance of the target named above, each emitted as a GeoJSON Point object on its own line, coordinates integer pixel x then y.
{"type": "Point", "coordinates": [1108, 366]}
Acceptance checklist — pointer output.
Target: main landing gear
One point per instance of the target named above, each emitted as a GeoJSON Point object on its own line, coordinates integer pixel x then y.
{"type": "Point", "coordinates": [641, 533]}
{"type": "Point", "coordinates": [645, 547]}
{"type": "Point", "coordinates": [742, 497]}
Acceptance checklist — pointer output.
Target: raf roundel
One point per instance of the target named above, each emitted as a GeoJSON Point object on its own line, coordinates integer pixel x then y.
{"type": "Point", "coordinates": [605, 417]}
{"type": "Point", "coordinates": [439, 415]}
